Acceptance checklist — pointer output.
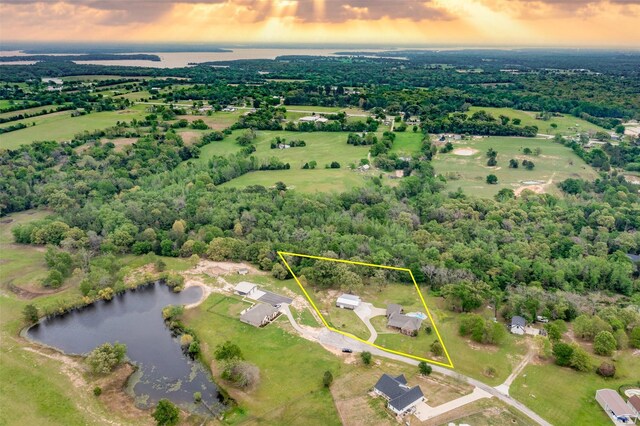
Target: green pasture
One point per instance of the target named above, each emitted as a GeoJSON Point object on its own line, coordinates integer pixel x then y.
{"type": "Point", "coordinates": [555, 163]}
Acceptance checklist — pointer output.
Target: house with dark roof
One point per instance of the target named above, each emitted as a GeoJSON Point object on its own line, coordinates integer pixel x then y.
{"type": "Point", "coordinates": [401, 399]}
{"type": "Point", "coordinates": [260, 315]}
{"type": "Point", "coordinates": [517, 325]}
{"type": "Point", "coordinates": [394, 308]}
{"type": "Point", "coordinates": [406, 324]}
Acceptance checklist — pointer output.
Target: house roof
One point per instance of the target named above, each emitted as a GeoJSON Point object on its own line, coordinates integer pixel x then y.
{"type": "Point", "coordinates": [257, 314]}
{"type": "Point", "coordinates": [614, 402]}
{"type": "Point", "coordinates": [518, 321]}
{"type": "Point", "coordinates": [393, 308]}
{"type": "Point", "coordinates": [407, 399]}
{"type": "Point", "coordinates": [390, 387]}
{"type": "Point", "coordinates": [244, 287]}
{"type": "Point", "coordinates": [349, 299]}
{"type": "Point", "coordinates": [401, 379]}
{"type": "Point", "coordinates": [634, 401]}
{"type": "Point", "coordinates": [404, 322]}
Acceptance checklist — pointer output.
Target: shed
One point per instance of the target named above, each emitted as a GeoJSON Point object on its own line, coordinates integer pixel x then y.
{"type": "Point", "coordinates": [260, 315]}
{"type": "Point", "coordinates": [612, 403]}
{"type": "Point", "coordinates": [518, 325]}
{"type": "Point", "coordinates": [245, 288]}
{"type": "Point", "coordinates": [348, 301]}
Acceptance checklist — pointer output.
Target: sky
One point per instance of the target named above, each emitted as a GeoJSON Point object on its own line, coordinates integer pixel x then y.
{"type": "Point", "coordinates": [580, 23]}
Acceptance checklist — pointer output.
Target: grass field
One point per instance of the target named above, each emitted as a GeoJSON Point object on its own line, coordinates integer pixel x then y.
{"type": "Point", "coordinates": [289, 391]}
{"type": "Point", "coordinates": [407, 143]}
{"type": "Point", "coordinates": [323, 147]}
{"type": "Point", "coordinates": [62, 126]}
{"type": "Point", "coordinates": [556, 163]}
{"type": "Point", "coordinates": [546, 385]}
{"type": "Point", "coordinates": [20, 265]}
{"type": "Point", "coordinates": [567, 124]}
{"type": "Point", "coordinates": [25, 111]}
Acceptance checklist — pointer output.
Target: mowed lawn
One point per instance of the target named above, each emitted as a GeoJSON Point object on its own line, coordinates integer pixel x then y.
{"type": "Point", "coordinates": [407, 143]}
{"type": "Point", "coordinates": [289, 392]}
{"type": "Point", "coordinates": [555, 163]}
{"type": "Point", "coordinates": [566, 397]}
{"type": "Point", "coordinates": [25, 111]}
{"type": "Point", "coordinates": [62, 126]}
{"type": "Point", "coordinates": [566, 124]}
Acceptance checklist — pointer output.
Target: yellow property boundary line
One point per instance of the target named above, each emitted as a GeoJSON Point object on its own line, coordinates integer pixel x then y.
{"type": "Point", "coordinates": [283, 253]}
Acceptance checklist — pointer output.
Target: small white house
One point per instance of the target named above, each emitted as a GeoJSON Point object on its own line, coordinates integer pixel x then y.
{"type": "Point", "coordinates": [245, 289]}
{"type": "Point", "coordinates": [348, 301]}
{"type": "Point", "coordinates": [518, 325]}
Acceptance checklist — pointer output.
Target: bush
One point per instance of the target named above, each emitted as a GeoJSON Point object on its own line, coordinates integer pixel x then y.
{"type": "Point", "coordinates": [366, 357]}
{"type": "Point", "coordinates": [580, 359]}
{"type": "Point", "coordinates": [436, 348]}
{"type": "Point", "coordinates": [562, 352]}
{"type": "Point", "coordinates": [424, 368]}
{"type": "Point", "coordinates": [30, 314]}
{"type": "Point", "coordinates": [242, 373]}
{"type": "Point", "coordinates": [54, 279]}
{"type": "Point", "coordinates": [97, 391]}
{"type": "Point", "coordinates": [606, 370]}
{"type": "Point", "coordinates": [227, 351]}
{"type": "Point", "coordinates": [492, 179]}
{"type": "Point", "coordinates": [327, 379]}
{"type": "Point", "coordinates": [166, 413]}
{"type": "Point", "coordinates": [604, 343]}
{"type": "Point", "coordinates": [634, 338]}
{"type": "Point", "coordinates": [106, 357]}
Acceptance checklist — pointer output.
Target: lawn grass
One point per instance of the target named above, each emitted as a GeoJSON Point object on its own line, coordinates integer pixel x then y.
{"type": "Point", "coordinates": [564, 396]}
{"type": "Point", "coordinates": [62, 126]}
{"type": "Point", "coordinates": [556, 163]}
{"type": "Point", "coordinates": [566, 123]}
{"type": "Point", "coordinates": [288, 391]}
{"type": "Point", "coordinates": [407, 143]}
{"type": "Point", "coordinates": [346, 321]}
{"type": "Point", "coordinates": [332, 180]}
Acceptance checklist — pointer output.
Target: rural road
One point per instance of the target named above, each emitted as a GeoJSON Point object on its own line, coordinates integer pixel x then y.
{"type": "Point", "coordinates": [337, 341]}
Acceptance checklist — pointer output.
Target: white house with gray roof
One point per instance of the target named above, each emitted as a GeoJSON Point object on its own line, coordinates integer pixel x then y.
{"type": "Point", "coordinates": [260, 315]}
{"type": "Point", "coordinates": [401, 399]}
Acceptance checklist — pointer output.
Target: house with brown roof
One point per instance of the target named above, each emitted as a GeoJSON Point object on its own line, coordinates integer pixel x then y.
{"type": "Point", "coordinates": [634, 402]}
{"type": "Point", "coordinates": [406, 324]}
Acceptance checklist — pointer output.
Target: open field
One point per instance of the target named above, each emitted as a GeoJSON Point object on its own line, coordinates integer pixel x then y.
{"type": "Point", "coordinates": [564, 396]}
{"type": "Point", "coordinates": [62, 126]}
{"type": "Point", "coordinates": [26, 111]}
{"type": "Point", "coordinates": [218, 120]}
{"type": "Point", "coordinates": [407, 143]}
{"type": "Point", "coordinates": [555, 163]}
{"type": "Point", "coordinates": [567, 124]}
{"type": "Point", "coordinates": [20, 265]}
{"type": "Point", "coordinates": [287, 390]}
{"type": "Point", "coordinates": [324, 180]}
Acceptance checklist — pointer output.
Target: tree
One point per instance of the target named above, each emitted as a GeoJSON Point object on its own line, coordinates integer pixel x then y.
{"type": "Point", "coordinates": [580, 359]}
{"type": "Point", "coordinates": [513, 163]}
{"type": "Point", "coordinates": [366, 357]}
{"type": "Point", "coordinates": [634, 338]}
{"type": "Point", "coordinates": [604, 343]}
{"type": "Point", "coordinates": [553, 331]}
{"type": "Point", "coordinates": [281, 186]}
{"type": "Point", "coordinates": [562, 352]}
{"type": "Point", "coordinates": [606, 369]}
{"type": "Point", "coordinates": [327, 379]}
{"type": "Point", "coordinates": [491, 162]}
{"type": "Point", "coordinates": [30, 314]}
{"type": "Point", "coordinates": [166, 413]}
{"type": "Point", "coordinates": [505, 194]}
{"type": "Point", "coordinates": [424, 368]}
{"type": "Point", "coordinates": [242, 373]}
{"type": "Point", "coordinates": [279, 271]}
{"type": "Point", "coordinates": [436, 348]}
{"type": "Point", "coordinates": [492, 179]}
{"type": "Point", "coordinates": [465, 296]}
{"type": "Point", "coordinates": [227, 350]}
{"type": "Point", "coordinates": [106, 357]}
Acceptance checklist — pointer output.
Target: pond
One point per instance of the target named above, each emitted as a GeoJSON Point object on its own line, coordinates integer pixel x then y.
{"type": "Point", "coordinates": [135, 318]}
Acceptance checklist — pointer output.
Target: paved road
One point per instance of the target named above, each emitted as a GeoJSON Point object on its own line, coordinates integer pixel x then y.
{"type": "Point", "coordinates": [366, 311]}
{"type": "Point", "coordinates": [337, 341]}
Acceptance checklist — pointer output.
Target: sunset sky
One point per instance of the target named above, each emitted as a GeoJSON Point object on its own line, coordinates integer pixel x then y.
{"type": "Point", "coordinates": [400, 22]}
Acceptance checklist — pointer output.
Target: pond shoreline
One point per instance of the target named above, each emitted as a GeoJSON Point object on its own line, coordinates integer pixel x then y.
{"type": "Point", "coordinates": [75, 360]}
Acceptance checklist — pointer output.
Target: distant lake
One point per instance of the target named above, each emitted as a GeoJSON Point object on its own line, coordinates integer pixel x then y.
{"type": "Point", "coordinates": [182, 59]}
{"type": "Point", "coordinates": [135, 319]}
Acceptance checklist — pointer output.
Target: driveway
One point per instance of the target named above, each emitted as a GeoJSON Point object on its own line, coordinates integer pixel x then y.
{"type": "Point", "coordinates": [426, 412]}
{"type": "Point", "coordinates": [366, 311]}
{"type": "Point", "coordinates": [337, 341]}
